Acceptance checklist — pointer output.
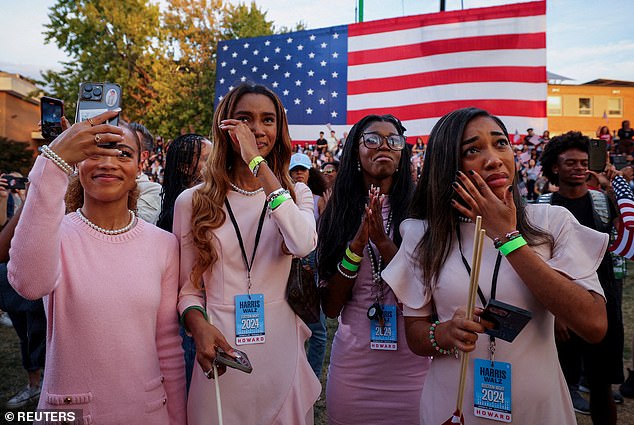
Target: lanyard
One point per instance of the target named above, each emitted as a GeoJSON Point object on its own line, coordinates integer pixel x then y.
{"type": "Point", "coordinates": [494, 284]}
{"type": "Point", "coordinates": [257, 240]}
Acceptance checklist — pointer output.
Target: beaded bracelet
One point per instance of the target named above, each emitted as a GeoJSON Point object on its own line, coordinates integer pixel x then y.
{"type": "Point", "coordinates": [510, 246]}
{"type": "Point", "coordinates": [255, 162]}
{"type": "Point", "coordinates": [498, 242]}
{"type": "Point", "coordinates": [273, 194]}
{"type": "Point", "coordinates": [432, 338]}
{"type": "Point", "coordinates": [279, 200]}
{"type": "Point", "coordinates": [351, 255]}
{"type": "Point", "coordinates": [57, 160]}
{"type": "Point", "coordinates": [347, 276]}
{"type": "Point", "coordinates": [348, 265]}
{"type": "Point", "coordinates": [256, 169]}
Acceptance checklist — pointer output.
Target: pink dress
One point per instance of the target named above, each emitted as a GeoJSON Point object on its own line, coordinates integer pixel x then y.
{"type": "Point", "coordinates": [368, 386]}
{"type": "Point", "coordinates": [282, 387]}
{"type": "Point", "coordinates": [539, 393]}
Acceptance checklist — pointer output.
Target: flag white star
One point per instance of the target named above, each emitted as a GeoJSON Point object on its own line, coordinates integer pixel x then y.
{"type": "Point", "coordinates": [322, 82]}
{"type": "Point", "coordinates": [324, 45]}
{"type": "Point", "coordinates": [222, 81]}
{"type": "Point", "coordinates": [311, 73]}
{"type": "Point", "coordinates": [275, 84]}
{"type": "Point", "coordinates": [298, 83]}
{"type": "Point", "coordinates": [265, 76]}
{"type": "Point", "coordinates": [220, 98]}
{"type": "Point", "coordinates": [288, 57]}
{"type": "Point", "coordinates": [312, 37]}
{"type": "Point", "coordinates": [267, 43]}
{"type": "Point", "coordinates": [243, 79]}
{"type": "Point", "coordinates": [246, 45]}
{"type": "Point", "coordinates": [256, 52]}
{"type": "Point", "coordinates": [230, 88]}
{"type": "Point", "coordinates": [225, 48]}
{"type": "Point", "coordinates": [335, 55]}
{"type": "Point", "coordinates": [323, 63]}
{"type": "Point", "coordinates": [255, 69]}
{"type": "Point", "coordinates": [289, 40]}
{"type": "Point", "coordinates": [244, 61]}
{"type": "Point", "coordinates": [233, 71]}
{"type": "Point", "coordinates": [335, 36]}
{"type": "Point", "coordinates": [309, 111]}
{"type": "Point", "coordinates": [310, 92]}
{"type": "Point", "coordinates": [234, 55]}
{"type": "Point", "coordinates": [322, 101]}
{"type": "Point", "coordinates": [299, 64]}
{"type": "Point", "coordinates": [265, 59]}
{"type": "Point", "coordinates": [334, 94]}
{"type": "Point", "coordinates": [285, 92]}
{"type": "Point", "coordinates": [223, 64]}
{"type": "Point", "coordinates": [334, 114]}
{"type": "Point", "coordinates": [285, 111]}
{"type": "Point", "coordinates": [300, 47]}
{"type": "Point", "coordinates": [311, 55]}
{"type": "Point", "coordinates": [287, 74]}
{"type": "Point", "coordinates": [277, 50]}
{"type": "Point", "coordinates": [297, 101]}
{"type": "Point", "coordinates": [335, 74]}
{"type": "Point", "coordinates": [276, 67]}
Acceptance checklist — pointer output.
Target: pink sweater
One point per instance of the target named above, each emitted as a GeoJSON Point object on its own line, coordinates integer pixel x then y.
{"type": "Point", "coordinates": [113, 348]}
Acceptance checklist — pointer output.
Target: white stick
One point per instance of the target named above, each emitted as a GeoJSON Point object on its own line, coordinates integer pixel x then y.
{"type": "Point", "coordinates": [218, 402]}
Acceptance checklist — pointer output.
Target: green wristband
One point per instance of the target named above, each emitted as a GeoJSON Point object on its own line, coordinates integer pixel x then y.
{"type": "Point", "coordinates": [278, 200]}
{"type": "Point", "coordinates": [348, 265]}
{"type": "Point", "coordinates": [192, 307]}
{"type": "Point", "coordinates": [254, 162]}
{"type": "Point", "coordinates": [512, 245]}
{"type": "Point", "coordinates": [354, 257]}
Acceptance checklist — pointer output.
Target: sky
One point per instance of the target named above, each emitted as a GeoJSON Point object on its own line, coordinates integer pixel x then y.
{"type": "Point", "coordinates": [586, 39]}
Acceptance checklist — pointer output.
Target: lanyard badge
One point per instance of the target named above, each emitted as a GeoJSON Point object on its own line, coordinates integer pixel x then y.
{"type": "Point", "coordinates": [492, 388]}
{"type": "Point", "coordinates": [383, 330]}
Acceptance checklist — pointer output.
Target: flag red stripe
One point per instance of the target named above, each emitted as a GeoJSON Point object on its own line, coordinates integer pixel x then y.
{"type": "Point", "coordinates": [522, 108]}
{"type": "Point", "coordinates": [516, 10]}
{"type": "Point", "coordinates": [625, 252]}
{"type": "Point", "coordinates": [521, 74]}
{"type": "Point", "coordinates": [453, 45]}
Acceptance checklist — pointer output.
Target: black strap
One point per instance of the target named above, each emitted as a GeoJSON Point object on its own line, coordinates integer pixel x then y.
{"type": "Point", "coordinates": [257, 238]}
{"type": "Point", "coordinates": [496, 270]}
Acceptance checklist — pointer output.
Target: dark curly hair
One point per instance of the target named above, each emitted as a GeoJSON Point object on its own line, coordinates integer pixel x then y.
{"type": "Point", "coordinates": [557, 146]}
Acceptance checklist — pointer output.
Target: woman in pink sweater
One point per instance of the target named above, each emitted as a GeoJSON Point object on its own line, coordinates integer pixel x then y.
{"type": "Point", "coordinates": [109, 282]}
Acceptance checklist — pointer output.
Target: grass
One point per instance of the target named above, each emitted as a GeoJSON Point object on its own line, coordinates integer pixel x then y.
{"type": "Point", "coordinates": [13, 377]}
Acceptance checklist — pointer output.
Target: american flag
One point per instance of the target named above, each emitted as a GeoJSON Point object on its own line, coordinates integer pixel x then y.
{"type": "Point", "coordinates": [624, 242]}
{"type": "Point", "coordinates": [417, 68]}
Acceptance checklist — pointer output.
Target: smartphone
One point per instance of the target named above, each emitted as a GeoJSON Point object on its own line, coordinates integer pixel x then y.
{"type": "Point", "coordinates": [596, 155]}
{"type": "Point", "coordinates": [15, 182]}
{"type": "Point", "coordinates": [97, 98]}
{"type": "Point", "coordinates": [51, 112]}
{"type": "Point", "coordinates": [508, 319]}
{"type": "Point", "coordinates": [241, 362]}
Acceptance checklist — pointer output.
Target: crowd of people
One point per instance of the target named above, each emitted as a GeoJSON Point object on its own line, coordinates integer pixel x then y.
{"type": "Point", "coordinates": [157, 265]}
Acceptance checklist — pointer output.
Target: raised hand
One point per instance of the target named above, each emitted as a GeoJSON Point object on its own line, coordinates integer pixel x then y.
{"type": "Point", "coordinates": [243, 137]}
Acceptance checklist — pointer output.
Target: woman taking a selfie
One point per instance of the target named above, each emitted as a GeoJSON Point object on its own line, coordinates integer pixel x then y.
{"type": "Point", "coordinates": [542, 261]}
{"type": "Point", "coordinates": [238, 231]}
{"type": "Point", "coordinates": [109, 282]}
{"type": "Point", "coordinates": [373, 377]}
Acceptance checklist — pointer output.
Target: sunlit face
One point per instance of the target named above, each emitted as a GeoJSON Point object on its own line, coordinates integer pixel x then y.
{"type": "Point", "coordinates": [111, 178]}
{"type": "Point", "coordinates": [258, 112]}
{"type": "Point", "coordinates": [330, 172]}
{"type": "Point", "coordinates": [300, 174]}
{"type": "Point", "coordinates": [486, 150]}
{"type": "Point", "coordinates": [378, 164]}
{"type": "Point", "coordinates": [572, 167]}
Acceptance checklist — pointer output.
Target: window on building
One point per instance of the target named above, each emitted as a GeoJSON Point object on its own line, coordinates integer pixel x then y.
{"type": "Point", "coordinates": [585, 106]}
{"type": "Point", "coordinates": [554, 105]}
{"type": "Point", "coordinates": [615, 108]}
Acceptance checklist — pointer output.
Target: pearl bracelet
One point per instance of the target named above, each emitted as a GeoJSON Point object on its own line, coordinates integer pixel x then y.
{"type": "Point", "coordinates": [57, 160]}
{"type": "Point", "coordinates": [434, 343]}
{"type": "Point", "coordinates": [347, 276]}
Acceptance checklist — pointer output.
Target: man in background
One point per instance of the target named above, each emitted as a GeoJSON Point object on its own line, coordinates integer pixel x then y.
{"type": "Point", "coordinates": [149, 203]}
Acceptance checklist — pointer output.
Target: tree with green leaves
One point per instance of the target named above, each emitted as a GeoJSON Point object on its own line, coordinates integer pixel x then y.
{"type": "Point", "coordinates": [15, 156]}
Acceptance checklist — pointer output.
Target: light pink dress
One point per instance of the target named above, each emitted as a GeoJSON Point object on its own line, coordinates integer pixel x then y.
{"type": "Point", "coordinates": [368, 386]}
{"type": "Point", "coordinates": [539, 391]}
{"type": "Point", "coordinates": [282, 387]}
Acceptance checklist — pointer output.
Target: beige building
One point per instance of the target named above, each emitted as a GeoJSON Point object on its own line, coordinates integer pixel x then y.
{"type": "Point", "coordinates": [19, 109]}
{"type": "Point", "coordinates": [586, 107]}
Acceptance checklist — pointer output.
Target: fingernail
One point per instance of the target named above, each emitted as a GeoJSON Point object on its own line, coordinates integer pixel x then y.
{"type": "Point", "coordinates": [455, 184]}
{"type": "Point", "coordinates": [458, 173]}
{"type": "Point", "coordinates": [510, 188]}
{"type": "Point", "coordinates": [471, 172]}
{"type": "Point", "coordinates": [117, 109]}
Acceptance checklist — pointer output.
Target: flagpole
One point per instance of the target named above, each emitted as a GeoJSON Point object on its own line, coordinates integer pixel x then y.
{"type": "Point", "coordinates": [360, 10]}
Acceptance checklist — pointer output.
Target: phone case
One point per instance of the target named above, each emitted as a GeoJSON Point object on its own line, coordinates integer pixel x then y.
{"type": "Point", "coordinates": [51, 112]}
{"type": "Point", "coordinates": [508, 319]}
{"type": "Point", "coordinates": [596, 155]}
{"type": "Point", "coordinates": [241, 362]}
{"type": "Point", "coordinates": [96, 98]}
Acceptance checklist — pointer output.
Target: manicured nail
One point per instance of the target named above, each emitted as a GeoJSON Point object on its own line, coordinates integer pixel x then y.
{"type": "Point", "coordinates": [510, 188]}
{"type": "Point", "coordinates": [471, 172]}
{"type": "Point", "coordinates": [455, 185]}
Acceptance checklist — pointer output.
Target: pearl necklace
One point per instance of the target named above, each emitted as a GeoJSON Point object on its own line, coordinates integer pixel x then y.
{"type": "Point", "coordinates": [245, 192]}
{"type": "Point", "coordinates": [106, 231]}
{"type": "Point", "coordinates": [465, 219]}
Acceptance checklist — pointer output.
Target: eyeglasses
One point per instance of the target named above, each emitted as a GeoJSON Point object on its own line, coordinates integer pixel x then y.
{"type": "Point", "coordinates": [395, 142]}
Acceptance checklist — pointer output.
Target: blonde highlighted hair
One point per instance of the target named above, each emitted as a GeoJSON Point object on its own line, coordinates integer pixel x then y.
{"type": "Point", "coordinates": [208, 200]}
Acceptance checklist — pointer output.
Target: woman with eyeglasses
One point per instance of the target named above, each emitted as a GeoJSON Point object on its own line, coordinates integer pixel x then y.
{"type": "Point", "coordinates": [373, 377]}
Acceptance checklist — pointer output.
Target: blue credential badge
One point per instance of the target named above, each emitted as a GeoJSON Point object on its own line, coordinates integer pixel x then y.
{"type": "Point", "coordinates": [250, 319]}
{"type": "Point", "coordinates": [492, 390]}
{"type": "Point", "coordinates": [383, 336]}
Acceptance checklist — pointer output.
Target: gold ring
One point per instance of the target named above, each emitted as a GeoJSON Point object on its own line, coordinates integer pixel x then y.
{"type": "Point", "coordinates": [97, 138]}
{"type": "Point", "coordinates": [92, 124]}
